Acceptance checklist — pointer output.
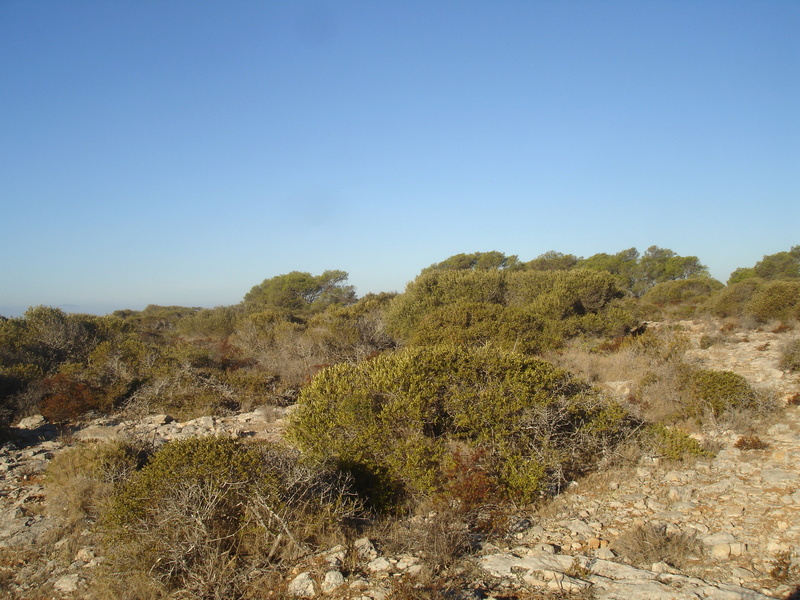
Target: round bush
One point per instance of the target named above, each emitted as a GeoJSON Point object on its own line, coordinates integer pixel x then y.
{"type": "Point", "coordinates": [397, 422]}
{"type": "Point", "coordinates": [732, 300]}
{"type": "Point", "coordinates": [719, 392]}
{"type": "Point", "coordinates": [776, 300]}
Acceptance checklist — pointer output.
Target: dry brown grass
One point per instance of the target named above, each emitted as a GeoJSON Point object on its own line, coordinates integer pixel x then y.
{"type": "Point", "coordinates": [651, 364]}
{"type": "Point", "coordinates": [648, 544]}
{"type": "Point", "coordinates": [440, 539]}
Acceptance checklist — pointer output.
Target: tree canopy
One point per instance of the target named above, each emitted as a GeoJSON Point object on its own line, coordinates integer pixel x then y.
{"type": "Point", "coordinates": [300, 292]}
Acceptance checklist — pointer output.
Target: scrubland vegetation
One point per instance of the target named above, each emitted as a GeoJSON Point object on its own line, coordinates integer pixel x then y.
{"type": "Point", "coordinates": [472, 392]}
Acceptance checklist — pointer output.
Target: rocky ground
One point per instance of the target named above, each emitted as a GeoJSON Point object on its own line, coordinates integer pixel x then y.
{"type": "Point", "coordinates": [733, 520]}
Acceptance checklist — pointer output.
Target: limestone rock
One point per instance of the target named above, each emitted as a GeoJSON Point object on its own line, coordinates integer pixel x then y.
{"type": "Point", "coordinates": [332, 581]}
{"type": "Point", "coordinates": [365, 550]}
{"type": "Point", "coordinates": [67, 584]}
{"type": "Point", "coordinates": [302, 586]}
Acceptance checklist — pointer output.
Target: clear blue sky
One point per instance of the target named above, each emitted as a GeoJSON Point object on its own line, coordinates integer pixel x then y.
{"type": "Point", "coordinates": [180, 152]}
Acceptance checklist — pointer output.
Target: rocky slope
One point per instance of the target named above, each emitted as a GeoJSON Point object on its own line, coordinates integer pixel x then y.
{"type": "Point", "coordinates": [731, 522]}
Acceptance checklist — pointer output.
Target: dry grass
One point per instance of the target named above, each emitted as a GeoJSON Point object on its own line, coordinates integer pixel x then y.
{"type": "Point", "coordinates": [648, 544]}
{"type": "Point", "coordinates": [651, 364]}
{"type": "Point", "coordinates": [664, 388]}
{"type": "Point", "coordinates": [440, 539]}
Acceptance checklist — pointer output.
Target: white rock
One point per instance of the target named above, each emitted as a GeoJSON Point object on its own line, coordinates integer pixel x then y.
{"type": "Point", "coordinates": [33, 422]}
{"type": "Point", "coordinates": [359, 585]}
{"type": "Point", "coordinates": [333, 580]}
{"type": "Point", "coordinates": [738, 549]}
{"type": "Point", "coordinates": [405, 562]}
{"type": "Point", "coordinates": [302, 586]}
{"type": "Point", "coordinates": [777, 476]}
{"type": "Point", "coordinates": [580, 528]}
{"type": "Point", "coordinates": [85, 554]}
{"type": "Point", "coordinates": [605, 553]}
{"type": "Point", "coordinates": [365, 549]}
{"type": "Point", "coordinates": [721, 551]}
{"type": "Point", "coordinates": [336, 555]}
{"type": "Point", "coordinates": [67, 584]}
{"type": "Point", "coordinates": [379, 565]}
{"type": "Point", "coordinates": [719, 538]}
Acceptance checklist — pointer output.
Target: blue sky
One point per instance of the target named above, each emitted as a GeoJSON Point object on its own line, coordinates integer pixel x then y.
{"type": "Point", "coordinates": [173, 152]}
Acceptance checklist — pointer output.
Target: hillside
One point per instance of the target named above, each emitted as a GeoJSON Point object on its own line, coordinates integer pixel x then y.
{"type": "Point", "coordinates": [721, 526]}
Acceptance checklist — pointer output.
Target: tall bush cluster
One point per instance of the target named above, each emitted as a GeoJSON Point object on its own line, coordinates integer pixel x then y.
{"type": "Point", "coordinates": [523, 310]}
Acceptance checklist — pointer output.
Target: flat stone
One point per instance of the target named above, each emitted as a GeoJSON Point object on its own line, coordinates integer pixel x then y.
{"type": "Point", "coordinates": [719, 538]}
{"type": "Point", "coordinates": [67, 584]}
{"type": "Point", "coordinates": [580, 528]}
{"type": "Point", "coordinates": [98, 433]}
{"type": "Point", "coordinates": [406, 562]}
{"type": "Point", "coordinates": [32, 422]}
{"type": "Point", "coordinates": [777, 476]}
{"type": "Point", "coordinates": [605, 553]}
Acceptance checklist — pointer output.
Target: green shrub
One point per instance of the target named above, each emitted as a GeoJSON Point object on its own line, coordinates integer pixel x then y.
{"type": "Point", "coordinates": [397, 420]}
{"type": "Point", "coordinates": [673, 443]}
{"type": "Point", "coordinates": [681, 297]}
{"type": "Point", "coordinates": [218, 322]}
{"type": "Point", "coordinates": [719, 392]}
{"type": "Point", "coordinates": [525, 310]}
{"type": "Point", "coordinates": [732, 300]}
{"type": "Point", "coordinates": [776, 301]}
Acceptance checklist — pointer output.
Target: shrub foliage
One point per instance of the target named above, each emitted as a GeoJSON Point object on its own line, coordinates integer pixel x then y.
{"type": "Point", "coordinates": [399, 421]}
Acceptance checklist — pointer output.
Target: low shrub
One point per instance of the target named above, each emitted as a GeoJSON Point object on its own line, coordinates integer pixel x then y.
{"type": "Point", "coordinates": [80, 481]}
{"type": "Point", "coordinates": [681, 298]}
{"type": "Point", "coordinates": [776, 301]}
{"type": "Point", "coordinates": [718, 392]}
{"type": "Point", "coordinates": [203, 512]}
{"type": "Point", "coordinates": [750, 442]}
{"type": "Point", "coordinates": [672, 443]}
{"type": "Point", "coordinates": [397, 420]}
{"type": "Point", "coordinates": [732, 300]}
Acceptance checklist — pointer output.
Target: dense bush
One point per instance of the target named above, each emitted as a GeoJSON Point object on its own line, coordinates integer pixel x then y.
{"type": "Point", "coordinates": [732, 300]}
{"type": "Point", "coordinates": [719, 392]}
{"type": "Point", "coordinates": [398, 421]}
{"type": "Point", "coordinates": [526, 310]}
{"type": "Point", "coordinates": [682, 297]}
{"type": "Point", "coordinates": [217, 322]}
{"type": "Point", "coordinates": [673, 443]}
{"type": "Point", "coordinates": [301, 293]}
{"type": "Point", "coordinates": [776, 300]}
